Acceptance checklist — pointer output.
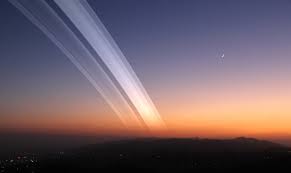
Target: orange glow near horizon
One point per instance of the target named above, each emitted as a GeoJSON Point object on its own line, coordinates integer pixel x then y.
{"type": "Point", "coordinates": [258, 110]}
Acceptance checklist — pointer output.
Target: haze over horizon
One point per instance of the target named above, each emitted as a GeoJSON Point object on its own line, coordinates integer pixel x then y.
{"type": "Point", "coordinates": [212, 69]}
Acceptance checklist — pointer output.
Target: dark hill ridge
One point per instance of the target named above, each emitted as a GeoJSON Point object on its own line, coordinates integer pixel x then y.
{"type": "Point", "coordinates": [174, 155]}
{"type": "Point", "coordinates": [240, 144]}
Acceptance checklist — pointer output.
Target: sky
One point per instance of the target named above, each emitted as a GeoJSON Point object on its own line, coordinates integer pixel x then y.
{"type": "Point", "coordinates": [212, 69]}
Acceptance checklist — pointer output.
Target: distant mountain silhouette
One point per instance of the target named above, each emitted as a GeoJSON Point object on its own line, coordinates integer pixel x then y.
{"type": "Point", "coordinates": [175, 155]}
{"type": "Point", "coordinates": [240, 144]}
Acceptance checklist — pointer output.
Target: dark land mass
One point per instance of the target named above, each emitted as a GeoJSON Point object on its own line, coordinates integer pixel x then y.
{"type": "Point", "coordinates": [171, 155]}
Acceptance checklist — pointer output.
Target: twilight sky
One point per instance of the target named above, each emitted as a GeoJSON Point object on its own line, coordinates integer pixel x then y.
{"type": "Point", "coordinates": [175, 48]}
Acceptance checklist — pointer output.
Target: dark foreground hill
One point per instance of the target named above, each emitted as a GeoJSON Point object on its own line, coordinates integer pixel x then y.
{"type": "Point", "coordinates": [174, 155]}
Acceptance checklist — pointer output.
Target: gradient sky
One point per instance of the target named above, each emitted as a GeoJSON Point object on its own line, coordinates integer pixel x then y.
{"type": "Point", "coordinates": [175, 48]}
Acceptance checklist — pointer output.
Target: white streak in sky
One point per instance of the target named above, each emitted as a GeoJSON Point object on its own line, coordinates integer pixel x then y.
{"type": "Point", "coordinates": [43, 16]}
{"type": "Point", "coordinates": [88, 23]}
